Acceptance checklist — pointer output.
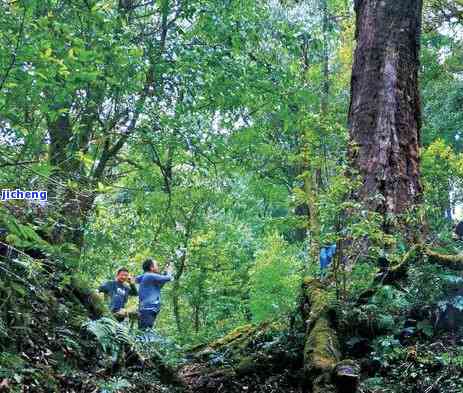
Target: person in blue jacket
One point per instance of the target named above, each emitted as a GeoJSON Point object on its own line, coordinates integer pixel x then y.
{"type": "Point", "coordinates": [118, 292]}
{"type": "Point", "coordinates": [149, 293]}
{"type": "Point", "coordinates": [326, 257]}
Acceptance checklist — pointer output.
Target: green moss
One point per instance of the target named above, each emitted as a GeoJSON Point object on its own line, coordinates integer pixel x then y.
{"type": "Point", "coordinates": [321, 352]}
{"type": "Point", "coordinates": [317, 298]}
{"type": "Point", "coordinates": [322, 349]}
{"type": "Point", "coordinates": [246, 366]}
{"type": "Point", "coordinates": [451, 261]}
{"type": "Point", "coordinates": [237, 336]}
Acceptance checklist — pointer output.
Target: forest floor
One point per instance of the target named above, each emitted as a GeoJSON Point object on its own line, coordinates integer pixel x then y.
{"type": "Point", "coordinates": [55, 337]}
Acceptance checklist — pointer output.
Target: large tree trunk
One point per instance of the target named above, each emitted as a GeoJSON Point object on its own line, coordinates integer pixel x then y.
{"type": "Point", "coordinates": [384, 114]}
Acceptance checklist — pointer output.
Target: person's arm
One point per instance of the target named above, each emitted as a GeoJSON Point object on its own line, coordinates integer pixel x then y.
{"type": "Point", "coordinates": [133, 288]}
{"type": "Point", "coordinates": [105, 288]}
{"type": "Point", "coordinates": [158, 278]}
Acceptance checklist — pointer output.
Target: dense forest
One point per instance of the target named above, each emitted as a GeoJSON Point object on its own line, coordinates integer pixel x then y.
{"type": "Point", "coordinates": [295, 166]}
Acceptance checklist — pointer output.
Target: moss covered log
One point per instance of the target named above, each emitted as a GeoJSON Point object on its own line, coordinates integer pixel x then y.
{"type": "Point", "coordinates": [450, 261]}
{"type": "Point", "coordinates": [249, 357]}
{"type": "Point", "coordinates": [322, 350]}
{"type": "Point", "coordinates": [234, 343]}
{"type": "Point", "coordinates": [415, 254]}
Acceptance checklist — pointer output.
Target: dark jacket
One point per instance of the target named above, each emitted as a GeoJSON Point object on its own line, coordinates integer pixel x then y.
{"type": "Point", "coordinates": [118, 293]}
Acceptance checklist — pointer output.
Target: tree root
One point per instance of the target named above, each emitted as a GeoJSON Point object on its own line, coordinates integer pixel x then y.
{"type": "Point", "coordinates": [454, 262]}
{"type": "Point", "coordinates": [400, 270]}
{"type": "Point", "coordinates": [418, 251]}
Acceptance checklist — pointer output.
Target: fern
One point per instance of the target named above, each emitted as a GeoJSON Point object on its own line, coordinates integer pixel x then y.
{"type": "Point", "coordinates": [110, 334]}
{"type": "Point", "coordinates": [151, 344]}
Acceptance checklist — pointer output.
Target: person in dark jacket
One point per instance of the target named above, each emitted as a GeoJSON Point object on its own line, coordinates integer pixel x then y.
{"type": "Point", "coordinates": [118, 292]}
{"type": "Point", "coordinates": [149, 296]}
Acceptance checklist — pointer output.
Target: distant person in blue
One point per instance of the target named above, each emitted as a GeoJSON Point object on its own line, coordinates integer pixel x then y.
{"type": "Point", "coordinates": [151, 283]}
{"type": "Point", "coordinates": [118, 292]}
{"type": "Point", "coordinates": [326, 257]}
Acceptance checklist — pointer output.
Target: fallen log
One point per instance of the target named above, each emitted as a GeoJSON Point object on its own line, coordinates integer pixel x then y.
{"type": "Point", "coordinates": [250, 356]}
{"type": "Point", "coordinates": [324, 370]}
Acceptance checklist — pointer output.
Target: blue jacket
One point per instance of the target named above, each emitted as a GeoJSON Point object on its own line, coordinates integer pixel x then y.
{"type": "Point", "coordinates": [149, 292]}
{"type": "Point", "coordinates": [118, 294]}
{"type": "Point", "coordinates": [326, 256]}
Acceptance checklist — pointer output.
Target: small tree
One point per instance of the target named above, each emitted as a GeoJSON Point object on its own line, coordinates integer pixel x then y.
{"type": "Point", "coordinates": [273, 282]}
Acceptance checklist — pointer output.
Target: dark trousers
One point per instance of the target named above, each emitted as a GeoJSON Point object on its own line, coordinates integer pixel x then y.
{"type": "Point", "coordinates": [146, 319]}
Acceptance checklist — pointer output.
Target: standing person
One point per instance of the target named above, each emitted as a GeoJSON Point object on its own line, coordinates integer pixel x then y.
{"type": "Point", "coordinates": [118, 291]}
{"type": "Point", "coordinates": [151, 283]}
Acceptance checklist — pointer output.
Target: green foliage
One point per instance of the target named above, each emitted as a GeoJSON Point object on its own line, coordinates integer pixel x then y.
{"type": "Point", "coordinates": [403, 369]}
{"type": "Point", "coordinates": [443, 89]}
{"type": "Point", "coordinates": [114, 385]}
{"type": "Point", "coordinates": [273, 280]}
{"type": "Point", "coordinates": [425, 327]}
{"type": "Point", "coordinates": [11, 366]}
{"type": "Point", "coordinates": [390, 349]}
{"type": "Point", "coordinates": [186, 131]}
{"type": "Point", "coordinates": [152, 345]}
{"type": "Point", "coordinates": [427, 285]}
{"type": "Point", "coordinates": [390, 300]}
{"type": "Point", "coordinates": [111, 335]}
{"type": "Point", "coordinates": [442, 180]}
{"type": "Point", "coordinates": [454, 359]}
{"type": "Point", "coordinates": [115, 337]}
{"type": "Point", "coordinates": [359, 279]}
{"type": "Point", "coordinates": [345, 219]}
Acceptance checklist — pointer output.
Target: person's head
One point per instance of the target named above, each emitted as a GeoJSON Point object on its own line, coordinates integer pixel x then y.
{"type": "Point", "coordinates": [150, 266]}
{"type": "Point", "coordinates": [122, 274]}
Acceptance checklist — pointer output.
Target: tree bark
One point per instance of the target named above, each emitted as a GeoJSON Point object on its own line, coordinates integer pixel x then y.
{"type": "Point", "coordinates": [384, 114]}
